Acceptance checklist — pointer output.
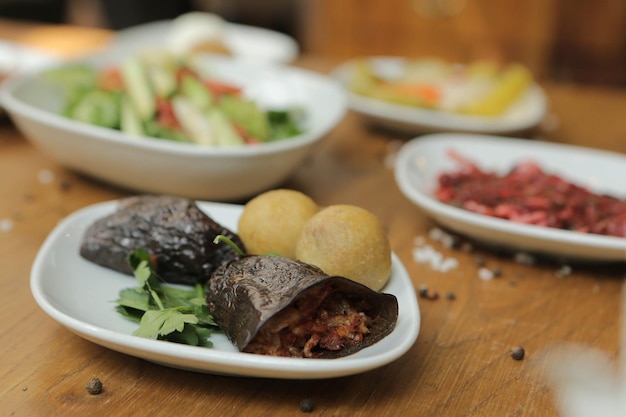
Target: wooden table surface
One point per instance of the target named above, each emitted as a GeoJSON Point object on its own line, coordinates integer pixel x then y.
{"type": "Point", "coordinates": [460, 364]}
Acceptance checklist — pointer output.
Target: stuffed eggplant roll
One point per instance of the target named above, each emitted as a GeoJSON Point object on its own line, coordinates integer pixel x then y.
{"type": "Point", "coordinates": [277, 306]}
{"type": "Point", "coordinates": [174, 231]}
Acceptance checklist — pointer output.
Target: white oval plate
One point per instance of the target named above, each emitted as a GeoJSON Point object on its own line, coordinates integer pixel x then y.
{"type": "Point", "coordinates": [420, 162]}
{"type": "Point", "coordinates": [244, 41]}
{"type": "Point", "coordinates": [524, 114]}
{"type": "Point", "coordinates": [81, 296]}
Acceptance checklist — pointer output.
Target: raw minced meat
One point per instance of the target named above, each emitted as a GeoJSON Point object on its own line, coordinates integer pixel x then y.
{"type": "Point", "coordinates": [319, 321]}
{"type": "Point", "coordinates": [527, 194]}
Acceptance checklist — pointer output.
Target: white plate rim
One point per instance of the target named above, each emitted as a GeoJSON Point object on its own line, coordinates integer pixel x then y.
{"type": "Point", "coordinates": [209, 360]}
{"type": "Point", "coordinates": [438, 121]}
{"type": "Point", "coordinates": [13, 104]}
{"type": "Point", "coordinates": [24, 58]}
{"type": "Point", "coordinates": [285, 48]}
{"type": "Point", "coordinates": [453, 216]}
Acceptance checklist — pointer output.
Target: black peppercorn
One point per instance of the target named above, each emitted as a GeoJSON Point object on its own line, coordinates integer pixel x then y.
{"type": "Point", "coordinates": [94, 386]}
{"type": "Point", "coordinates": [518, 353]}
{"type": "Point", "coordinates": [306, 405]}
{"type": "Point", "coordinates": [65, 185]}
{"type": "Point", "coordinates": [423, 290]}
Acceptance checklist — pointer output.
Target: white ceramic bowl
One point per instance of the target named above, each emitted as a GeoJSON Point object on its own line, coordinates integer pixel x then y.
{"type": "Point", "coordinates": [157, 166]}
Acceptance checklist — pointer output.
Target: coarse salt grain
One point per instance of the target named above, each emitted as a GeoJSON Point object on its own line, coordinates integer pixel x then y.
{"type": "Point", "coordinates": [426, 254]}
{"type": "Point", "coordinates": [448, 241]}
{"type": "Point", "coordinates": [564, 271]}
{"type": "Point", "coordinates": [45, 176]}
{"type": "Point", "coordinates": [439, 235]}
{"type": "Point", "coordinates": [392, 153]}
{"type": "Point", "coordinates": [389, 161]}
{"type": "Point", "coordinates": [485, 274]}
{"type": "Point", "coordinates": [6, 225]}
{"type": "Point", "coordinates": [435, 234]}
{"type": "Point", "coordinates": [448, 264]}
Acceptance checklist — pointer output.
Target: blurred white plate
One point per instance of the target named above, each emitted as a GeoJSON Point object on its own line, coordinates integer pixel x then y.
{"type": "Point", "coordinates": [81, 296]}
{"type": "Point", "coordinates": [420, 162]}
{"type": "Point", "coordinates": [18, 58]}
{"type": "Point", "coordinates": [525, 113]}
{"type": "Point", "coordinates": [244, 41]}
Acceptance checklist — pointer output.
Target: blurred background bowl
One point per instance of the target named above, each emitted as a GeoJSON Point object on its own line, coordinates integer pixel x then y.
{"type": "Point", "coordinates": [156, 166]}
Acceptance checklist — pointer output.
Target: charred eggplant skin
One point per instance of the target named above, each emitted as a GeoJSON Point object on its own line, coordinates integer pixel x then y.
{"type": "Point", "coordinates": [174, 231]}
{"type": "Point", "coordinates": [245, 293]}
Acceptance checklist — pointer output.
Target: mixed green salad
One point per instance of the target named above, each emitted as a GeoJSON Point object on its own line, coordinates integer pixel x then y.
{"type": "Point", "coordinates": [161, 95]}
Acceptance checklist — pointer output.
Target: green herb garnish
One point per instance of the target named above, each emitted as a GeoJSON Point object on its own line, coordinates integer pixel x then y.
{"type": "Point", "coordinates": [229, 242]}
{"type": "Point", "coordinates": [165, 312]}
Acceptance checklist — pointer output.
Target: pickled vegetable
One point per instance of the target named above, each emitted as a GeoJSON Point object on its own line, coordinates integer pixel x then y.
{"type": "Point", "coordinates": [508, 88]}
{"type": "Point", "coordinates": [481, 88]}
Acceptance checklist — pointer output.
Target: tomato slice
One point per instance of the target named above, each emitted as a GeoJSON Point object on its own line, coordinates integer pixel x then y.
{"type": "Point", "coordinates": [185, 71]}
{"type": "Point", "coordinates": [220, 88]}
{"type": "Point", "coordinates": [247, 138]}
{"type": "Point", "coordinates": [111, 80]}
{"type": "Point", "coordinates": [165, 114]}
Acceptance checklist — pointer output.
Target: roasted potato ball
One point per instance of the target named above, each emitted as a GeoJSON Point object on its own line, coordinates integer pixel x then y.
{"type": "Point", "coordinates": [348, 241]}
{"type": "Point", "coordinates": [271, 222]}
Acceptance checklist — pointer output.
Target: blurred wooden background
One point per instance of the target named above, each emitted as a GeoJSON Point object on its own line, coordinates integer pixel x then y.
{"type": "Point", "coordinates": [579, 41]}
{"type": "Point", "coordinates": [568, 40]}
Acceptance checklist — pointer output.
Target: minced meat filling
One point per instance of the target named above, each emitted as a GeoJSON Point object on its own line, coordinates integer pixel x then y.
{"type": "Point", "coordinates": [321, 319]}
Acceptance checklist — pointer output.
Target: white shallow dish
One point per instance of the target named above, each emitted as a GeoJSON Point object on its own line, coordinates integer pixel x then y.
{"type": "Point", "coordinates": [80, 295]}
{"type": "Point", "coordinates": [524, 114]}
{"type": "Point", "coordinates": [243, 41]}
{"type": "Point", "coordinates": [420, 162]}
{"type": "Point", "coordinates": [165, 167]}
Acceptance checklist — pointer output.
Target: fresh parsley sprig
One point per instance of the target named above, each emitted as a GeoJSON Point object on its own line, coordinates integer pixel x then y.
{"type": "Point", "coordinates": [165, 312]}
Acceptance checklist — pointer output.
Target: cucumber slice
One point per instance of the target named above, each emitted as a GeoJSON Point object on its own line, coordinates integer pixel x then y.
{"type": "Point", "coordinates": [96, 107]}
{"type": "Point", "coordinates": [193, 121]}
{"type": "Point", "coordinates": [196, 92]}
{"type": "Point", "coordinates": [223, 131]}
{"type": "Point", "coordinates": [162, 81]}
{"type": "Point", "coordinates": [136, 82]}
{"type": "Point", "coordinates": [130, 121]}
{"type": "Point", "coordinates": [160, 67]}
{"type": "Point", "coordinates": [73, 76]}
{"type": "Point", "coordinates": [247, 114]}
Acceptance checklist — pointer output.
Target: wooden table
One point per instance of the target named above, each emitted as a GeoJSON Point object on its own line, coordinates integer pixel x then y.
{"type": "Point", "coordinates": [459, 366]}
